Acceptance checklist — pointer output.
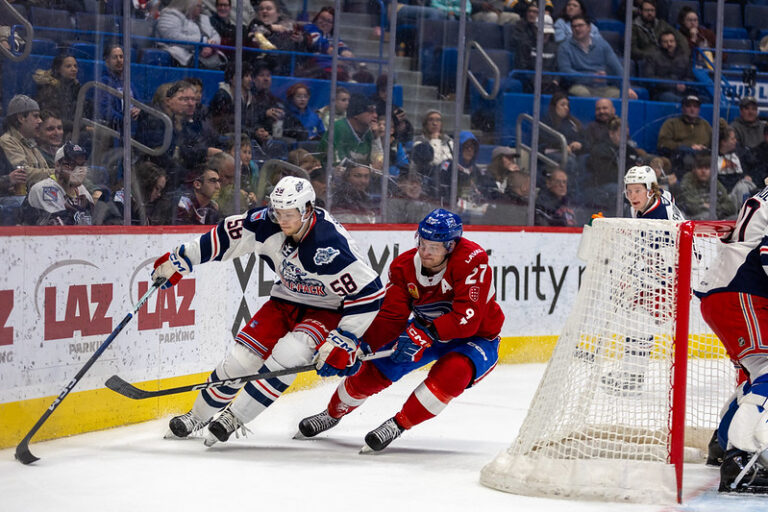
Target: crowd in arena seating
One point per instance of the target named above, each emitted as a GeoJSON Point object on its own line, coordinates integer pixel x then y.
{"type": "Point", "coordinates": [192, 180]}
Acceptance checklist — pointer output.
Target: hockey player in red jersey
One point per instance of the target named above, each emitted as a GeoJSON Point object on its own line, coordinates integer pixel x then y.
{"type": "Point", "coordinates": [447, 284]}
{"type": "Point", "coordinates": [734, 302]}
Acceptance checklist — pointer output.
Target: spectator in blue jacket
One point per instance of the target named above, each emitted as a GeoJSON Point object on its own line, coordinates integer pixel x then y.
{"type": "Point", "coordinates": [309, 126]}
{"type": "Point", "coordinates": [583, 54]}
{"type": "Point", "coordinates": [110, 107]}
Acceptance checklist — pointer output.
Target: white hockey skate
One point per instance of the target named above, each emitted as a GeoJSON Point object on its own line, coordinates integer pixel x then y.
{"type": "Point", "coordinates": [313, 425]}
{"type": "Point", "coordinates": [380, 437]}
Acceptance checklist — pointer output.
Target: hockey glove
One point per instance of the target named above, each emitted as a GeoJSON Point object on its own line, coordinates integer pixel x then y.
{"type": "Point", "coordinates": [338, 355]}
{"type": "Point", "coordinates": [171, 266]}
{"type": "Point", "coordinates": [410, 346]}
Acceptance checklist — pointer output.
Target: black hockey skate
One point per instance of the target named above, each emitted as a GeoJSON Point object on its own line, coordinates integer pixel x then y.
{"type": "Point", "coordinates": [313, 425]}
{"type": "Point", "coordinates": [223, 427]}
{"type": "Point", "coordinates": [182, 426]}
{"type": "Point", "coordinates": [715, 452]}
{"type": "Point", "coordinates": [380, 437]}
{"type": "Point", "coordinates": [754, 482]}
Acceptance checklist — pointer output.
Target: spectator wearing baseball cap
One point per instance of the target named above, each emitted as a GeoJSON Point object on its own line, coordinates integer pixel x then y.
{"type": "Point", "coordinates": [748, 128]}
{"type": "Point", "coordinates": [28, 164]}
{"type": "Point", "coordinates": [354, 137]}
{"type": "Point", "coordinates": [62, 199]}
{"type": "Point", "coordinates": [685, 134]}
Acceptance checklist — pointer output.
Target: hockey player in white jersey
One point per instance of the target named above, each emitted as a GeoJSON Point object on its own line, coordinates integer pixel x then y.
{"type": "Point", "coordinates": [734, 302]}
{"type": "Point", "coordinates": [646, 198]}
{"type": "Point", "coordinates": [323, 298]}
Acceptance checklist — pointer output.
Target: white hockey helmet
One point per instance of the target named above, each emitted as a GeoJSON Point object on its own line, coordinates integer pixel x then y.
{"type": "Point", "coordinates": [642, 174]}
{"type": "Point", "coordinates": [292, 192]}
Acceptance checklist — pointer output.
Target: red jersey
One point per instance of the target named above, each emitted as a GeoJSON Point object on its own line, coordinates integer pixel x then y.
{"type": "Point", "coordinates": [460, 300]}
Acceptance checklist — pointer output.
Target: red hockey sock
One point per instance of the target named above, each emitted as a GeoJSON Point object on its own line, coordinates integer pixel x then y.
{"type": "Point", "coordinates": [354, 390]}
{"type": "Point", "coordinates": [447, 379]}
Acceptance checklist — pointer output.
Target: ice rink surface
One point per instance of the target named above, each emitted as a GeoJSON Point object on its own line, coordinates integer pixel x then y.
{"type": "Point", "coordinates": [435, 466]}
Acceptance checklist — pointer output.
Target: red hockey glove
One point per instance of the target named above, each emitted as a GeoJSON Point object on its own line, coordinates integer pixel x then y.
{"type": "Point", "coordinates": [410, 347]}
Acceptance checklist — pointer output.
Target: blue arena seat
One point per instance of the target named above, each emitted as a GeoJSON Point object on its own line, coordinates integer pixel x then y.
{"type": "Point", "coordinates": [756, 16]}
{"type": "Point", "coordinates": [88, 22]}
{"type": "Point", "coordinates": [156, 57]}
{"type": "Point", "coordinates": [610, 24]}
{"type": "Point", "coordinates": [735, 33]}
{"type": "Point", "coordinates": [738, 59]}
{"type": "Point", "coordinates": [52, 18]}
{"type": "Point", "coordinates": [44, 47]}
{"type": "Point", "coordinates": [676, 5]}
{"type": "Point", "coordinates": [488, 35]}
{"type": "Point", "coordinates": [84, 50]}
{"type": "Point", "coordinates": [731, 15]}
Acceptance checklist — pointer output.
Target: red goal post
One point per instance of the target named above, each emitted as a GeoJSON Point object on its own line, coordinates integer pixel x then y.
{"type": "Point", "coordinates": [636, 381]}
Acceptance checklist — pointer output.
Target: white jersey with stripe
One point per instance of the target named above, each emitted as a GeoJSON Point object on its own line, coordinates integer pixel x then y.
{"type": "Point", "coordinates": [742, 261]}
{"type": "Point", "coordinates": [325, 269]}
{"type": "Point", "coordinates": [662, 207]}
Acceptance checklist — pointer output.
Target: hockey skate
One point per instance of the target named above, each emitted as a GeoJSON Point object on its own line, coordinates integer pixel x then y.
{"type": "Point", "coordinates": [313, 425]}
{"type": "Point", "coordinates": [380, 437]}
{"type": "Point", "coordinates": [715, 452]}
{"type": "Point", "coordinates": [182, 426]}
{"type": "Point", "coordinates": [224, 426]}
{"type": "Point", "coordinates": [623, 383]}
{"type": "Point", "coordinates": [754, 482]}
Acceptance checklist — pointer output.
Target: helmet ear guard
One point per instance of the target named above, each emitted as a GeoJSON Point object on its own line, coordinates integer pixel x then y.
{"type": "Point", "coordinates": [441, 226]}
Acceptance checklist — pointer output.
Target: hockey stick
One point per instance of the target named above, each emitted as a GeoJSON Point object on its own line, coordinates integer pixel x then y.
{"type": "Point", "coordinates": [118, 385]}
{"type": "Point", "coordinates": [23, 454]}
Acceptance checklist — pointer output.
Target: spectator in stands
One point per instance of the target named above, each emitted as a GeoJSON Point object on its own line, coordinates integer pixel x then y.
{"type": "Point", "coordinates": [525, 51]}
{"type": "Point", "coordinates": [183, 20]}
{"type": "Point", "coordinates": [518, 190]}
{"type": "Point", "coordinates": [224, 164]}
{"type": "Point", "coordinates": [61, 200]}
{"type": "Point", "coordinates": [57, 89]}
{"type": "Point", "coordinates": [583, 54]}
{"type": "Point", "coordinates": [597, 130]}
{"type": "Point", "coordinates": [559, 118]}
{"type": "Point", "coordinates": [270, 111]}
{"type": "Point", "coordinates": [432, 134]}
{"type": "Point", "coordinates": [662, 8]}
{"type": "Point", "coordinates": [22, 119]}
{"type": "Point", "coordinates": [265, 147]}
{"type": "Point", "coordinates": [273, 29]}
{"type": "Point", "coordinates": [647, 30]}
{"type": "Point", "coordinates": [189, 145]}
{"type": "Point", "coordinates": [759, 159]}
{"type": "Point", "coordinates": [521, 6]}
{"type": "Point", "coordinates": [693, 197]}
{"type": "Point", "coordinates": [667, 181]}
{"type": "Point", "coordinates": [403, 127]}
{"type": "Point", "coordinates": [468, 174]}
{"type": "Point", "coordinates": [398, 158]}
{"type": "Point", "coordinates": [695, 35]}
{"type": "Point", "coordinates": [319, 180]}
{"type": "Point", "coordinates": [249, 169]}
{"type": "Point", "coordinates": [110, 108]}
{"type": "Point", "coordinates": [307, 124]}
{"type": "Point", "coordinates": [222, 23]}
{"type": "Point", "coordinates": [351, 201]}
{"type": "Point", "coordinates": [668, 62]}
{"type": "Point", "coordinates": [340, 110]}
{"type": "Point", "coordinates": [493, 11]}
{"type": "Point", "coordinates": [201, 112]}
{"type": "Point", "coordinates": [563, 24]}
{"type": "Point", "coordinates": [748, 128]}
{"type": "Point", "coordinates": [198, 206]}
{"type": "Point", "coordinates": [493, 184]}
{"type": "Point", "coordinates": [49, 136]}
{"type": "Point", "coordinates": [221, 110]}
{"type": "Point", "coordinates": [603, 168]}
{"type": "Point", "coordinates": [150, 205]}
{"type": "Point", "coordinates": [729, 170]}
{"type": "Point", "coordinates": [356, 137]}
{"type": "Point", "coordinates": [683, 135]}
{"type": "Point", "coordinates": [553, 203]}
{"type": "Point", "coordinates": [320, 35]}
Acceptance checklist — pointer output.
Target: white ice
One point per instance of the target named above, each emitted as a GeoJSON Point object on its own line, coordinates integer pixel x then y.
{"type": "Point", "coordinates": [435, 466]}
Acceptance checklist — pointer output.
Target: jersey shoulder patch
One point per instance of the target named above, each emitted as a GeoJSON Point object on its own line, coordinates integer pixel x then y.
{"type": "Point", "coordinates": [257, 221]}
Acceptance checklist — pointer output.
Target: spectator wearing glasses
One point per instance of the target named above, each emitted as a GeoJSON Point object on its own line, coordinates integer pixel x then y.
{"type": "Point", "coordinates": [647, 30]}
{"type": "Point", "coordinates": [553, 206]}
{"type": "Point", "coordinates": [584, 54]}
{"type": "Point", "coordinates": [222, 23]}
{"type": "Point", "coordinates": [61, 200]}
{"type": "Point", "coordinates": [198, 206]}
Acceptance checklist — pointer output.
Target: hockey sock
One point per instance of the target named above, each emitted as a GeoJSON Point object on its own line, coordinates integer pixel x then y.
{"type": "Point", "coordinates": [257, 395]}
{"type": "Point", "coordinates": [447, 379]}
{"type": "Point", "coordinates": [354, 390]}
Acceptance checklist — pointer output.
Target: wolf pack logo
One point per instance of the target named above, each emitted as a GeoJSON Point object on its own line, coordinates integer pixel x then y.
{"type": "Point", "coordinates": [474, 293]}
{"type": "Point", "coordinates": [294, 279]}
{"type": "Point", "coordinates": [325, 255]}
{"type": "Point", "coordinates": [413, 290]}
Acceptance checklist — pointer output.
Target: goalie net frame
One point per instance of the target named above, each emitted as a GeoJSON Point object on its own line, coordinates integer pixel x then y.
{"type": "Point", "coordinates": [525, 467]}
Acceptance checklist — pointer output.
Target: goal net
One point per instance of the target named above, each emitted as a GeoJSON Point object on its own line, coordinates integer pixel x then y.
{"type": "Point", "coordinates": [636, 381]}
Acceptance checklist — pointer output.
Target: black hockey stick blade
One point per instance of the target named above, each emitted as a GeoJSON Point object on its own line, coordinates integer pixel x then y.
{"type": "Point", "coordinates": [23, 454]}
{"type": "Point", "coordinates": [119, 385]}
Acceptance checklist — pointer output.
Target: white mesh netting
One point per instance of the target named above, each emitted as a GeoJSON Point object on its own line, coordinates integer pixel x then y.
{"type": "Point", "coordinates": [599, 425]}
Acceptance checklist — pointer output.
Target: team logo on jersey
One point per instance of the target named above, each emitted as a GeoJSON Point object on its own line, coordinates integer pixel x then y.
{"type": "Point", "coordinates": [325, 255]}
{"type": "Point", "coordinates": [50, 194]}
{"type": "Point", "coordinates": [413, 290]}
{"type": "Point", "coordinates": [258, 215]}
{"type": "Point", "coordinates": [289, 246]}
{"type": "Point", "coordinates": [474, 293]}
{"type": "Point", "coordinates": [294, 279]}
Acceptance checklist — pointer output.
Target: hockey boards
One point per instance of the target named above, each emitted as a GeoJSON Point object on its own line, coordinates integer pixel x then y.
{"type": "Point", "coordinates": [119, 385]}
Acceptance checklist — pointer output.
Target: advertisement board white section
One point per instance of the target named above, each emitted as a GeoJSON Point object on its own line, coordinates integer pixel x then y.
{"type": "Point", "coordinates": [63, 295]}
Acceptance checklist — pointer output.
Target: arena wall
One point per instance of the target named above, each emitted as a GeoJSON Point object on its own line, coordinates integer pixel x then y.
{"type": "Point", "coordinates": [66, 289]}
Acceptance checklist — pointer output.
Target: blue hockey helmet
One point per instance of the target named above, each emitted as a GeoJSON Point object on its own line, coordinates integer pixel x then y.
{"type": "Point", "coordinates": [441, 226]}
